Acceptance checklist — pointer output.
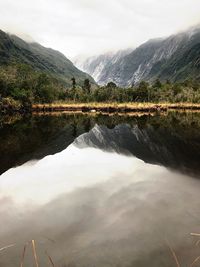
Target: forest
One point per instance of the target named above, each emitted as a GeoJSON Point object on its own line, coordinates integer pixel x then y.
{"type": "Point", "coordinates": [21, 86]}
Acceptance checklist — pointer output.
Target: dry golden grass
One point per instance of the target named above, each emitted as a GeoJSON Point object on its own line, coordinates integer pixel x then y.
{"type": "Point", "coordinates": [33, 245]}
{"type": "Point", "coordinates": [34, 253]}
{"type": "Point", "coordinates": [6, 247]}
{"type": "Point", "coordinates": [50, 259]}
{"type": "Point", "coordinates": [114, 107]}
{"type": "Point", "coordinates": [175, 257]}
{"type": "Point", "coordinates": [23, 254]}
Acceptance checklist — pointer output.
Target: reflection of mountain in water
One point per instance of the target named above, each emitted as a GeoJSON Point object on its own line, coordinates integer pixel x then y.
{"type": "Point", "coordinates": [151, 145]}
{"type": "Point", "coordinates": [86, 207]}
{"type": "Point", "coordinates": [171, 140]}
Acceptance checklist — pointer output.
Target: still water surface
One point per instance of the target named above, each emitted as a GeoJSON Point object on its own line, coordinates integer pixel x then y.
{"type": "Point", "coordinates": [96, 190]}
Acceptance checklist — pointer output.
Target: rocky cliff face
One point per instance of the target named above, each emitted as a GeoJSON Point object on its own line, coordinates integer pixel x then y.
{"type": "Point", "coordinates": [174, 58]}
{"type": "Point", "coordinates": [97, 65]}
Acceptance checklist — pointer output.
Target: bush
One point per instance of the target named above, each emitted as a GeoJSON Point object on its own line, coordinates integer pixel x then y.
{"type": "Point", "coordinates": [9, 103]}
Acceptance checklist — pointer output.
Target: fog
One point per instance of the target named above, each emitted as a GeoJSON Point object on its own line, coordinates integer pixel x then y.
{"type": "Point", "coordinates": [87, 207]}
{"type": "Point", "coordinates": [93, 26]}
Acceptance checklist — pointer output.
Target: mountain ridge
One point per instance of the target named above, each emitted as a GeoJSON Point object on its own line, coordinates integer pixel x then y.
{"type": "Point", "coordinates": [174, 58]}
{"type": "Point", "coordinates": [40, 58]}
{"type": "Point", "coordinates": [96, 64]}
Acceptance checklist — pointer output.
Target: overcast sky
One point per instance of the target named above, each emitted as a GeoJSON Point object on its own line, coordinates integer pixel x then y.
{"type": "Point", "coordinates": [94, 26]}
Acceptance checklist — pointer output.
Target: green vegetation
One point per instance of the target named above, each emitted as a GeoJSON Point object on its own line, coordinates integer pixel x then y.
{"type": "Point", "coordinates": [32, 74]}
{"type": "Point", "coordinates": [52, 62]}
{"type": "Point", "coordinates": [187, 91]}
{"type": "Point", "coordinates": [21, 86]}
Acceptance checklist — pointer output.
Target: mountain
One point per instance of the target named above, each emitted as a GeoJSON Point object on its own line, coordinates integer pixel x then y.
{"type": "Point", "coordinates": [156, 146]}
{"type": "Point", "coordinates": [175, 58]}
{"type": "Point", "coordinates": [15, 50]}
{"type": "Point", "coordinates": [96, 65]}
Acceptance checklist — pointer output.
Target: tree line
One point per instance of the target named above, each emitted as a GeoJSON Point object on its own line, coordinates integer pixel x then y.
{"type": "Point", "coordinates": [186, 91]}
{"type": "Point", "coordinates": [21, 85]}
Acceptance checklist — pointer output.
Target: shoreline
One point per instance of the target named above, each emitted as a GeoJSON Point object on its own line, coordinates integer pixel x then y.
{"type": "Point", "coordinates": [105, 108]}
{"type": "Point", "coordinates": [113, 107]}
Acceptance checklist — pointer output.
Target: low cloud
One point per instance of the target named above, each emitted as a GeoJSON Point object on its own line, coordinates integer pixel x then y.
{"type": "Point", "coordinates": [94, 26]}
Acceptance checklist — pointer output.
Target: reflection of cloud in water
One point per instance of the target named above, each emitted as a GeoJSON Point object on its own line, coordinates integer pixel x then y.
{"type": "Point", "coordinates": [41, 181]}
{"type": "Point", "coordinates": [100, 208]}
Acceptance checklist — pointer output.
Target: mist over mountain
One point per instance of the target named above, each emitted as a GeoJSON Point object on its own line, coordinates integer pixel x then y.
{"type": "Point", "coordinates": [95, 65]}
{"type": "Point", "coordinates": [176, 58]}
{"type": "Point", "coordinates": [15, 50]}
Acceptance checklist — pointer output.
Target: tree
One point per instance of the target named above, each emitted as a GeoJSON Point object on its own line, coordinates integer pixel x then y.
{"type": "Point", "coordinates": [43, 79]}
{"type": "Point", "coordinates": [3, 88]}
{"type": "Point", "coordinates": [157, 84]}
{"type": "Point", "coordinates": [46, 94]}
{"type": "Point", "coordinates": [143, 91]}
{"type": "Point", "coordinates": [87, 86]}
{"type": "Point", "coordinates": [176, 89]}
{"type": "Point", "coordinates": [143, 85]}
{"type": "Point", "coordinates": [24, 96]}
{"type": "Point", "coordinates": [45, 91]}
{"type": "Point", "coordinates": [73, 83]}
{"type": "Point", "coordinates": [111, 85]}
{"type": "Point", "coordinates": [24, 71]}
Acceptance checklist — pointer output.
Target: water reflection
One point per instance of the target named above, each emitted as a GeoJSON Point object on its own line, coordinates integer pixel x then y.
{"type": "Point", "coordinates": [172, 140]}
{"type": "Point", "coordinates": [90, 207]}
{"type": "Point", "coordinates": [98, 208]}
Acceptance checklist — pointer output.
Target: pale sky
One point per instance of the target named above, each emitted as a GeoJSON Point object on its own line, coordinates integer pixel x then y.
{"type": "Point", "coordinates": [94, 26]}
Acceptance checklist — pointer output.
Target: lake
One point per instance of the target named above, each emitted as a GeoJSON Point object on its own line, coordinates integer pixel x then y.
{"type": "Point", "coordinates": [100, 190]}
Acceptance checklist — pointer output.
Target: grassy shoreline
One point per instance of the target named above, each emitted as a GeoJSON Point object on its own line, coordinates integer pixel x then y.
{"type": "Point", "coordinates": [114, 107]}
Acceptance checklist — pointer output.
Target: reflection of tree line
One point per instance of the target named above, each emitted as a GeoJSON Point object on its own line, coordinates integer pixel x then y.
{"type": "Point", "coordinates": [46, 126]}
{"type": "Point", "coordinates": [36, 136]}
